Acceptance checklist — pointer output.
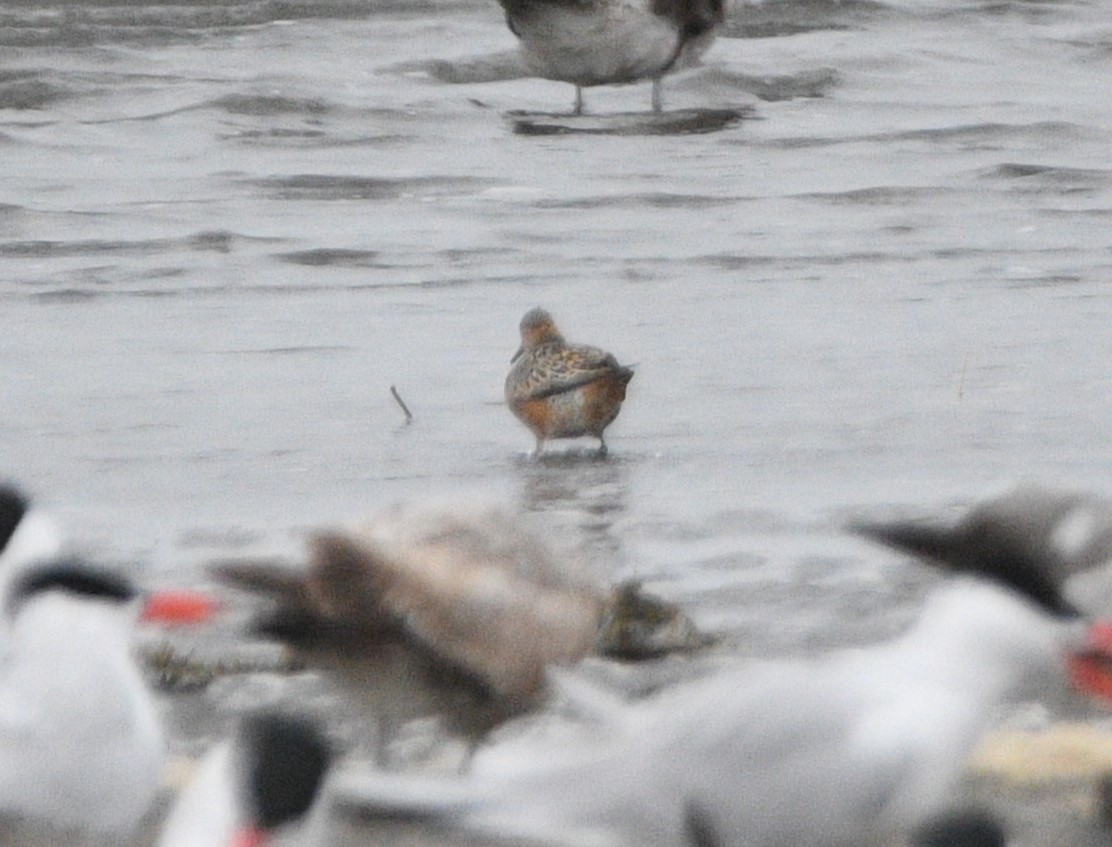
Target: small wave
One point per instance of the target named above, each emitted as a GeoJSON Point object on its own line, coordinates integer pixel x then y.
{"type": "Point", "coordinates": [311, 349]}
{"type": "Point", "coordinates": [737, 262]}
{"type": "Point", "coordinates": [877, 195]}
{"type": "Point", "coordinates": [773, 20]}
{"type": "Point", "coordinates": [329, 187]}
{"type": "Point", "coordinates": [967, 136]}
{"type": "Point", "coordinates": [1028, 10]}
{"type": "Point", "coordinates": [266, 104]}
{"type": "Point", "coordinates": [28, 90]}
{"type": "Point", "coordinates": [249, 105]}
{"type": "Point", "coordinates": [65, 295]}
{"type": "Point", "coordinates": [815, 82]}
{"type": "Point", "coordinates": [88, 24]}
{"type": "Point", "coordinates": [493, 67]}
{"type": "Point", "coordinates": [332, 257]}
{"type": "Point", "coordinates": [1054, 173]}
{"type": "Point", "coordinates": [44, 249]}
{"type": "Point", "coordinates": [1052, 178]}
{"type": "Point", "coordinates": [656, 200]}
{"type": "Point", "coordinates": [216, 240]}
{"type": "Point", "coordinates": [983, 133]}
{"type": "Point", "coordinates": [265, 136]}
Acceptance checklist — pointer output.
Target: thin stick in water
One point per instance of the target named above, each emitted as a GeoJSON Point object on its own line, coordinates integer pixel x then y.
{"type": "Point", "coordinates": [405, 408]}
{"type": "Point", "coordinates": [961, 379]}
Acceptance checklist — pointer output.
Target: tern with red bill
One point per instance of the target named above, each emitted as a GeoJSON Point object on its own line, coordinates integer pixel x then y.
{"type": "Point", "coordinates": [80, 742]}
{"type": "Point", "coordinates": [1056, 543]}
{"type": "Point", "coordinates": [26, 536]}
{"type": "Point", "coordinates": [257, 789]}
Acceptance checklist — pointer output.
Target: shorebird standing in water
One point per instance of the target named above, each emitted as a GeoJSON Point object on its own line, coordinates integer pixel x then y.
{"type": "Point", "coordinates": [601, 42]}
{"type": "Point", "coordinates": [562, 390]}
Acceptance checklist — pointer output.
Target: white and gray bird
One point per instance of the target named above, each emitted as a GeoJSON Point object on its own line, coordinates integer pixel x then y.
{"type": "Point", "coordinates": [255, 789]}
{"type": "Point", "coordinates": [854, 748]}
{"type": "Point", "coordinates": [602, 42]}
{"type": "Point", "coordinates": [27, 535]}
{"type": "Point", "coordinates": [80, 742]}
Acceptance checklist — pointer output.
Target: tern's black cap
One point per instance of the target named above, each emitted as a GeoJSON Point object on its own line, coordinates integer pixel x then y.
{"type": "Point", "coordinates": [13, 506]}
{"type": "Point", "coordinates": [72, 576]}
{"type": "Point", "coordinates": [982, 549]}
{"type": "Point", "coordinates": [285, 758]}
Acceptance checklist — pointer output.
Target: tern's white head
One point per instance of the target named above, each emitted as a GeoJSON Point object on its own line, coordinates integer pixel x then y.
{"type": "Point", "coordinates": [997, 631]}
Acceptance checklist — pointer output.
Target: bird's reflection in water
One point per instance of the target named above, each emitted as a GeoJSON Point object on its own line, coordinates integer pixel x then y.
{"type": "Point", "coordinates": [580, 497]}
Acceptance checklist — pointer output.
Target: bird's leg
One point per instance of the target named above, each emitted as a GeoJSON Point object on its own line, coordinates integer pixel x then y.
{"type": "Point", "coordinates": [657, 99]}
{"type": "Point", "coordinates": [537, 451]}
{"type": "Point", "coordinates": [578, 100]}
{"type": "Point", "coordinates": [602, 450]}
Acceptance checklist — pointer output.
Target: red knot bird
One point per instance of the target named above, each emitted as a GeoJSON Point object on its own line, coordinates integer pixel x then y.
{"type": "Point", "coordinates": [562, 390]}
{"type": "Point", "coordinates": [601, 42]}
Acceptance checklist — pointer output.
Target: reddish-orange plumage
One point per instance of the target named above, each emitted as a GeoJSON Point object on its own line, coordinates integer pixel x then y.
{"type": "Point", "coordinates": [562, 390]}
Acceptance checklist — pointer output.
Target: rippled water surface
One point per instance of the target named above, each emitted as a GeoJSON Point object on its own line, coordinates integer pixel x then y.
{"type": "Point", "coordinates": [226, 229]}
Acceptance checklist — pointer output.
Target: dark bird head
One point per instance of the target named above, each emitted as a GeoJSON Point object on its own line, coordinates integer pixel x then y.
{"type": "Point", "coordinates": [13, 506]}
{"type": "Point", "coordinates": [285, 759]}
{"type": "Point", "coordinates": [537, 328]}
{"type": "Point", "coordinates": [980, 548]}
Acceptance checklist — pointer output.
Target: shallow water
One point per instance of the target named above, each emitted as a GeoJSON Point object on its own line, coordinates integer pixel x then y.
{"type": "Point", "coordinates": [227, 229]}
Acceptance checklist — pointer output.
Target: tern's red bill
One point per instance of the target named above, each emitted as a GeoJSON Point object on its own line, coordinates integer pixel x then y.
{"type": "Point", "coordinates": [1091, 668]}
{"type": "Point", "coordinates": [178, 608]}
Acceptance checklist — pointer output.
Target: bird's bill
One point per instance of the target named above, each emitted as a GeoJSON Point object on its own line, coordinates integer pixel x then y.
{"type": "Point", "coordinates": [517, 355]}
{"type": "Point", "coordinates": [249, 837]}
{"type": "Point", "coordinates": [918, 539]}
{"type": "Point", "coordinates": [178, 608]}
{"type": "Point", "coordinates": [1090, 668]}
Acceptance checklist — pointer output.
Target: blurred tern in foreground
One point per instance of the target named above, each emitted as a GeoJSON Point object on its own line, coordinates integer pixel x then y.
{"type": "Point", "coordinates": [80, 744]}
{"type": "Point", "coordinates": [254, 790]}
{"type": "Point", "coordinates": [852, 749]}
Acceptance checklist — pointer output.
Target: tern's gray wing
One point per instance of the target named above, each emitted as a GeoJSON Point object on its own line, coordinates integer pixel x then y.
{"type": "Point", "coordinates": [811, 756]}
{"type": "Point", "coordinates": [796, 753]}
{"type": "Point", "coordinates": [837, 752]}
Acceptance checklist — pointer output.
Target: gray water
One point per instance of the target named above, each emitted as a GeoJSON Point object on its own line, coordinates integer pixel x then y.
{"type": "Point", "coordinates": [227, 229]}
